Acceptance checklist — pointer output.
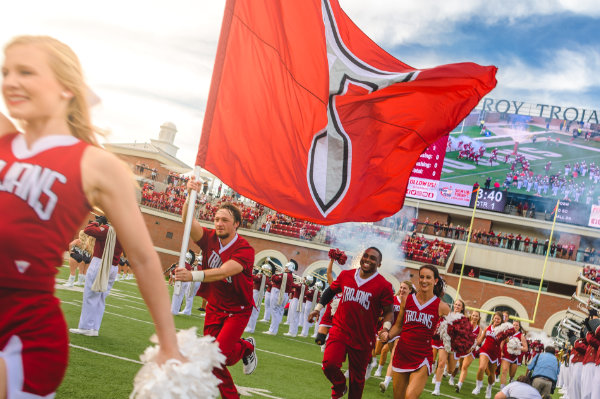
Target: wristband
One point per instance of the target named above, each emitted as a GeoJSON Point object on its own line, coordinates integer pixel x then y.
{"type": "Point", "coordinates": [198, 276]}
{"type": "Point", "coordinates": [387, 325]}
{"type": "Point", "coordinates": [318, 307]}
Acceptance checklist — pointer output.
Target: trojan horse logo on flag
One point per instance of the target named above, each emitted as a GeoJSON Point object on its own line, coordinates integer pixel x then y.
{"type": "Point", "coordinates": [308, 116]}
{"type": "Point", "coordinates": [331, 149]}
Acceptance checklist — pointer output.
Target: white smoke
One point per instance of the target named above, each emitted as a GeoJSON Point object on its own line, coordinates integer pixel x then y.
{"type": "Point", "coordinates": [355, 238]}
{"type": "Point", "coordinates": [476, 144]}
{"type": "Point", "coordinates": [540, 336]}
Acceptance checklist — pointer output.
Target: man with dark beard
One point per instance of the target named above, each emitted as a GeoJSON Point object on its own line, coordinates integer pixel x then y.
{"type": "Point", "coordinates": [226, 277]}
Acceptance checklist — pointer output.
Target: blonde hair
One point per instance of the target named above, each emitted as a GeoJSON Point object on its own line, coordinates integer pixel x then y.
{"type": "Point", "coordinates": [68, 72]}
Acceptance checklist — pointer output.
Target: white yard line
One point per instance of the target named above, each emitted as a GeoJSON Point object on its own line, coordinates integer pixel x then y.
{"type": "Point", "coordinates": [105, 354]}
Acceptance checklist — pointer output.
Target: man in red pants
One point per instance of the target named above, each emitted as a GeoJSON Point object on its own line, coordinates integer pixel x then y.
{"type": "Point", "coordinates": [366, 295]}
{"type": "Point", "coordinates": [226, 276]}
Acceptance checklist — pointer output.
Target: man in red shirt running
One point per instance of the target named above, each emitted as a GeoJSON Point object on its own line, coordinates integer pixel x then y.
{"type": "Point", "coordinates": [366, 295]}
{"type": "Point", "coordinates": [226, 277]}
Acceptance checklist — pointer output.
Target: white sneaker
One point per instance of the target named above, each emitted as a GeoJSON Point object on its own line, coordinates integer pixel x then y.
{"type": "Point", "coordinates": [488, 392]}
{"type": "Point", "coordinates": [247, 330]}
{"type": "Point", "coordinates": [377, 373]}
{"type": "Point", "coordinates": [89, 333]}
{"type": "Point", "coordinates": [368, 373]}
{"type": "Point", "coordinates": [304, 335]}
{"type": "Point", "coordinates": [80, 280]}
{"type": "Point", "coordinates": [476, 390]}
{"type": "Point", "coordinates": [129, 277]}
{"type": "Point", "coordinates": [382, 387]}
{"type": "Point", "coordinates": [268, 332]}
{"type": "Point", "coordinates": [185, 313]}
{"type": "Point", "coordinates": [70, 282]}
{"type": "Point", "coordinates": [251, 360]}
{"type": "Point", "coordinates": [263, 320]}
{"type": "Point", "coordinates": [436, 392]}
{"type": "Point", "coordinates": [451, 381]}
{"type": "Point", "coordinates": [287, 334]}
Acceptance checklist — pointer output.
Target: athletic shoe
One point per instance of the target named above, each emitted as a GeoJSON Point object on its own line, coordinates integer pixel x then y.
{"type": "Point", "coordinates": [476, 390]}
{"type": "Point", "coordinates": [436, 392]}
{"type": "Point", "coordinates": [264, 320]}
{"type": "Point", "coordinates": [368, 373]}
{"type": "Point", "coordinates": [451, 381]}
{"type": "Point", "coordinates": [250, 361]}
{"type": "Point", "coordinates": [70, 282]}
{"type": "Point", "coordinates": [382, 387]}
{"type": "Point", "coordinates": [184, 313]}
{"type": "Point", "coordinates": [488, 392]}
{"type": "Point", "coordinates": [377, 373]}
{"type": "Point", "coordinates": [268, 332]}
{"type": "Point", "coordinates": [457, 388]}
{"type": "Point", "coordinates": [287, 334]}
{"type": "Point", "coordinates": [247, 330]}
{"type": "Point", "coordinates": [304, 335]}
{"type": "Point", "coordinates": [89, 333]}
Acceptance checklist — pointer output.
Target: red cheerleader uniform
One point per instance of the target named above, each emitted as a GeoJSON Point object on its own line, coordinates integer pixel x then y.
{"type": "Point", "coordinates": [490, 347]}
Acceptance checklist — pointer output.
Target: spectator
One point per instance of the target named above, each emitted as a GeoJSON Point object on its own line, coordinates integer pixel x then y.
{"type": "Point", "coordinates": [544, 370]}
{"type": "Point", "coordinates": [521, 389]}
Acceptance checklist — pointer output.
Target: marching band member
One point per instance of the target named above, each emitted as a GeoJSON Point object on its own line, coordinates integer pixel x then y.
{"type": "Point", "coordinates": [268, 304]}
{"type": "Point", "coordinates": [257, 278]}
{"type": "Point", "coordinates": [177, 299]}
{"type": "Point", "coordinates": [295, 308]}
{"type": "Point", "coordinates": [282, 287]}
{"type": "Point", "coordinates": [310, 293]}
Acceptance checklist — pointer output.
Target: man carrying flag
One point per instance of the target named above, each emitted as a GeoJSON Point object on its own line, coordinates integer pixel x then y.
{"type": "Point", "coordinates": [226, 277]}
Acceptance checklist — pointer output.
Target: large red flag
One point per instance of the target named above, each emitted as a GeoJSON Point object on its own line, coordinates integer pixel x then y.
{"type": "Point", "coordinates": [308, 116]}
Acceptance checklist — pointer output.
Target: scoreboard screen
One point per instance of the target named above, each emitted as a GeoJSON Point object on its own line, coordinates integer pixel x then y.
{"type": "Point", "coordinates": [490, 200]}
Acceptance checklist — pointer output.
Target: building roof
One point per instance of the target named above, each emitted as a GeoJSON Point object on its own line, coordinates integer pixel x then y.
{"type": "Point", "coordinates": [148, 150]}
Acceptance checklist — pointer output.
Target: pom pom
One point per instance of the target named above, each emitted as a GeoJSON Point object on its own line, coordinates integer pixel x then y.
{"type": "Point", "coordinates": [338, 256]}
{"type": "Point", "coordinates": [514, 346]}
{"type": "Point", "coordinates": [457, 334]}
{"type": "Point", "coordinates": [504, 331]}
{"type": "Point", "coordinates": [176, 380]}
{"type": "Point", "coordinates": [334, 304]}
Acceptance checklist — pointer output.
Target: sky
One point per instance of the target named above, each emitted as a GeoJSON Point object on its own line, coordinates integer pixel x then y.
{"type": "Point", "coordinates": [151, 62]}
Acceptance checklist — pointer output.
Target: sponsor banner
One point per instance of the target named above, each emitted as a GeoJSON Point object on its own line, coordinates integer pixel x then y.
{"type": "Point", "coordinates": [594, 220]}
{"type": "Point", "coordinates": [573, 213]}
{"type": "Point", "coordinates": [422, 188]}
{"type": "Point", "coordinates": [430, 162]}
{"type": "Point", "coordinates": [454, 193]}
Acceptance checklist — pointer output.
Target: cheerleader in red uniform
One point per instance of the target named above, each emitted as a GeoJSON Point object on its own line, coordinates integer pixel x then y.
{"type": "Point", "coordinates": [466, 360]}
{"type": "Point", "coordinates": [511, 361]}
{"type": "Point", "coordinates": [489, 354]}
{"type": "Point", "coordinates": [51, 176]}
{"type": "Point", "coordinates": [445, 358]}
{"type": "Point", "coordinates": [406, 288]}
{"type": "Point", "coordinates": [413, 361]}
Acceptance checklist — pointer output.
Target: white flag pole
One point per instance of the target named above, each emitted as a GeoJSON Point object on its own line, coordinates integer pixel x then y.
{"type": "Point", "coordinates": [187, 229]}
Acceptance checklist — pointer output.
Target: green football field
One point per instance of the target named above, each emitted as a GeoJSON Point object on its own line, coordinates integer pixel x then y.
{"type": "Point", "coordinates": [566, 151]}
{"type": "Point", "coordinates": [104, 366]}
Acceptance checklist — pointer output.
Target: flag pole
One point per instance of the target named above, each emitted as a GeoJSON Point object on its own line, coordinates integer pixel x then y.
{"type": "Point", "coordinates": [462, 268]}
{"type": "Point", "coordinates": [537, 301]}
{"type": "Point", "coordinates": [187, 229]}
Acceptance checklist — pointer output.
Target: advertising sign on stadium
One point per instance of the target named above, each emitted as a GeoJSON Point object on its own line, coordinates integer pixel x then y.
{"type": "Point", "coordinates": [594, 220]}
{"type": "Point", "coordinates": [454, 193]}
{"type": "Point", "coordinates": [422, 188]}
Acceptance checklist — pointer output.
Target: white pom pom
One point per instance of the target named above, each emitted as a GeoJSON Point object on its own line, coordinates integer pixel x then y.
{"type": "Point", "coordinates": [443, 330]}
{"type": "Point", "coordinates": [334, 305]}
{"type": "Point", "coordinates": [176, 380]}
{"type": "Point", "coordinates": [514, 346]}
{"type": "Point", "coordinates": [502, 327]}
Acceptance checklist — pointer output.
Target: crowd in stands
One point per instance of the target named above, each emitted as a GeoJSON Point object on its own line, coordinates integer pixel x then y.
{"type": "Point", "coordinates": [420, 249]}
{"type": "Point", "coordinates": [591, 273]}
{"type": "Point", "coordinates": [250, 213]}
{"type": "Point", "coordinates": [509, 240]}
{"type": "Point", "coordinates": [141, 169]}
{"type": "Point", "coordinates": [278, 223]}
{"type": "Point", "coordinates": [170, 200]}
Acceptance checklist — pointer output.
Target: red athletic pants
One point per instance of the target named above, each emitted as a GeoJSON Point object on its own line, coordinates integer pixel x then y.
{"type": "Point", "coordinates": [358, 359]}
{"type": "Point", "coordinates": [227, 328]}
